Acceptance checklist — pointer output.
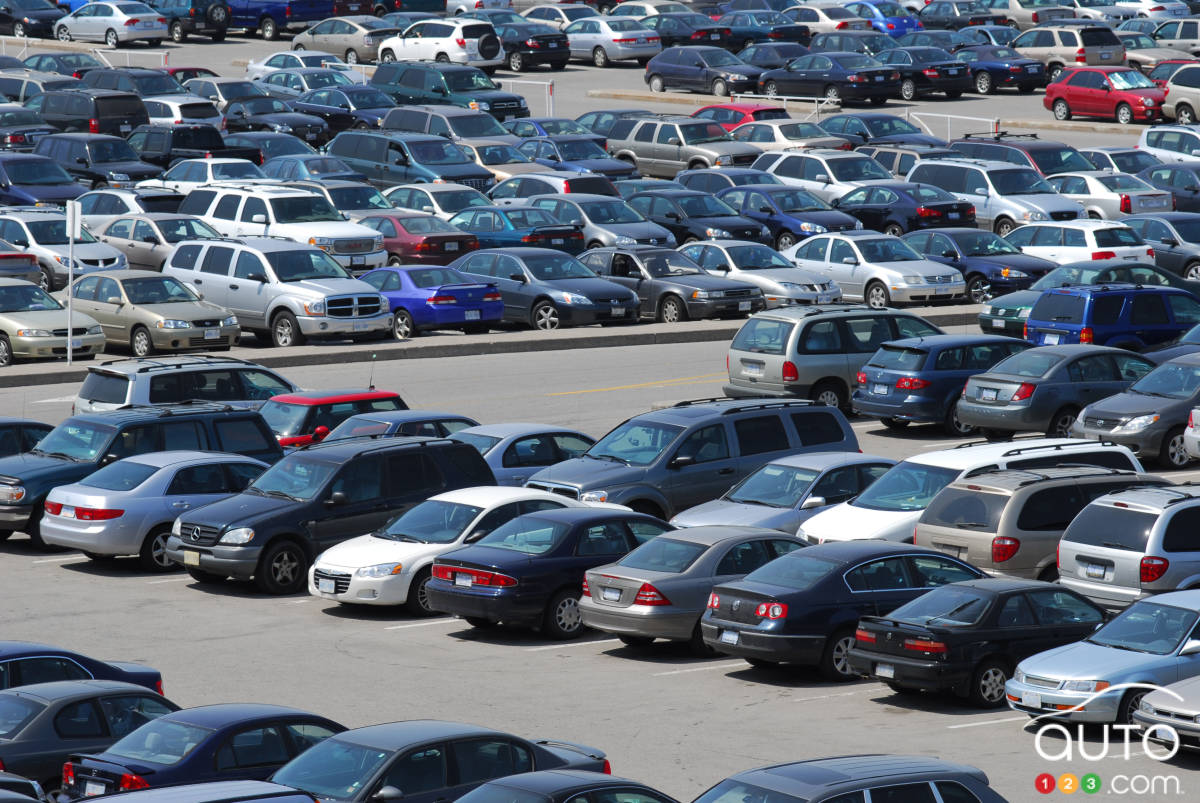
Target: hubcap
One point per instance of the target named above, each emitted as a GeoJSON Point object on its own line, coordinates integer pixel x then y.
{"type": "Point", "coordinates": [670, 312]}
{"type": "Point", "coordinates": [1124, 115]}
{"type": "Point", "coordinates": [991, 685]}
{"type": "Point", "coordinates": [566, 615]}
{"type": "Point", "coordinates": [141, 344]}
{"type": "Point", "coordinates": [283, 332]}
{"type": "Point", "coordinates": [877, 299]}
{"type": "Point", "coordinates": [546, 317]}
{"type": "Point", "coordinates": [840, 651]}
{"type": "Point", "coordinates": [829, 398]}
{"type": "Point", "coordinates": [1175, 452]}
{"type": "Point", "coordinates": [772, 90]}
{"type": "Point", "coordinates": [983, 83]}
{"type": "Point", "coordinates": [158, 551]}
{"type": "Point", "coordinates": [831, 93]}
{"type": "Point", "coordinates": [1062, 427]}
{"type": "Point", "coordinates": [5, 353]}
{"type": "Point", "coordinates": [423, 594]}
{"type": "Point", "coordinates": [284, 567]}
{"type": "Point", "coordinates": [403, 327]}
{"type": "Point", "coordinates": [959, 426]}
{"type": "Point", "coordinates": [352, 57]}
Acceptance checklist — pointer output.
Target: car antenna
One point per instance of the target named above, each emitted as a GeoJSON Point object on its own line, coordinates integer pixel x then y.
{"type": "Point", "coordinates": [371, 376]}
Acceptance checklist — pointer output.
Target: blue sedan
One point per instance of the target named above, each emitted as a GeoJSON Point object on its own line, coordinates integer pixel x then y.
{"type": "Point", "coordinates": [232, 741]}
{"type": "Point", "coordinates": [885, 16]}
{"type": "Point", "coordinates": [790, 213]}
{"type": "Point", "coordinates": [991, 265]}
{"type": "Point", "coordinates": [23, 663]}
{"type": "Point", "coordinates": [994, 66]}
{"type": "Point", "coordinates": [530, 570]}
{"type": "Point", "coordinates": [550, 127]}
{"type": "Point", "coordinates": [431, 297]}
{"type": "Point", "coordinates": [578, 152]}
{"type": "Point", "coordinates": [762, 25]}
{"type": "Point", "coordinates": [315, 166]}
{"type": "Point", "coordinates": [515, 452]}
{"type": "Point", "coordinates": [502, 226]}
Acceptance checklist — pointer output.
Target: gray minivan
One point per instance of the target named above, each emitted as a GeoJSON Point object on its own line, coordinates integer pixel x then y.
{"type": "Point", "coordinates": [394, 157]}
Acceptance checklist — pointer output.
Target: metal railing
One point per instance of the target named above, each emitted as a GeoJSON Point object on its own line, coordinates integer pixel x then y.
{"type": "Point", "coordinates": [994, 122]}
{"type": "Point", "coordinates": [820, 103]}
{"type": "Point", "coordinates": [548, 85]}
{"type": "Point", "coordinates": [162, 57]}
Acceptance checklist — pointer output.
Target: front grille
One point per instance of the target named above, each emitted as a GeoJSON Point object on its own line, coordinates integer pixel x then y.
{"type": "Point", "coordinates": [746, 160]}
{"type": "Point", "coordinates": [739, 293]}
{"type": "Point", "coordinates": [561, 490]}
{"type": "Point", "coordinates": [941, 278]}
{"type": "Point", "coordinates": [200, 342]}
{"type": "Point", "coordinates": [199, 534]}
{"type": "Point", "coordinates": [206, 323]}
{"type": "Point", "coordinates": [1062, 216]}
{"type": "Point", "coordinates": [1092, 422]}
{"type": "Point", "coordinates": [359, 246]}
{"type": "Point", "coordinates": [1045, 683]}
{"type": "Point", "coordinates": [480, 184]}
{"type": "Point", "coordinates": [352, 306]}
{"type": "Point", "coordinates": [652, 240]}
{"type": "Point", "coordinates": [78, 330]}
{"type": "Point", "coordinates": [506, 104]}
{"type": "Point", "coordinates": [99, 263]}
{"type": "Point", "coordinates": [341, 581]}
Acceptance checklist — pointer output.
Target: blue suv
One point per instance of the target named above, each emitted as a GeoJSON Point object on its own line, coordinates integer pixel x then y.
{"type": "Point", "coordinates": [1120, 315]}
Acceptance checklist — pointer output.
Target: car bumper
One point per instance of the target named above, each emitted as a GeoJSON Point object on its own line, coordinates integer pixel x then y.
{"type": "Point", "coordinates": [927, 292]}
{"type": "Point", "coordinates": [817, 297]}
{"type": "Point", "coordinates": [624, 52]}
{"type": "Point", "coordinates": [1009, 416]}
{"type": "Point", "coordinates": [639, 620]}
{"type": "Point", "coordinates": [99, 537]}
{"type": "Point", "coordinates": [132, 34]}
{"type": "Point", "coordinates": [239, 562]}
{"type": "Point", "coordinates": [390, 590]}
{"type": "Point", "coordinates": [1142, 444]}
{"type": "Point", "coordinates": [805, 650]}
{"type": "Point", "coordinates": [1184, 727]}
{"type": "Point", "coordinates": [909, 672]}
{"type": "Point", "coordinates": [717, 309]}
{"type": "Point", "coordinates": [1036, 701]}
{"type": "Point", "coordinates": [994, 324]}
{"type": "Point", "coordinates": [583, 315]}
{"type": "Point", "coordinates": [1106, 595]}
{"type": "Point", "coordinates": [959, 83]}
{"type": "Point", "coordinates": [492, 604]}
{"type": "Point", "coordinates": [360, 262]}
{"type": "Point", "coordinates": [1020, 79]}
{"type": "Point", "coordinates": [34, 347]}
{"type": "Point", "coordinates": [319, 326]}
{"type": "Point", "coordinates": [194, 338]}
{"type": "Point", "coordinates": [904, 408]}
{"type": "Point", "coordinates": [752, 392]}
{"type": "Point", "coordinates": [1191, 442]}
{"type": "Point", "coordinates": [15, 517]}
{"type": "Point", "coordinates": [437, 318]}
{"type": "Point", "coordinates": [875, 89]}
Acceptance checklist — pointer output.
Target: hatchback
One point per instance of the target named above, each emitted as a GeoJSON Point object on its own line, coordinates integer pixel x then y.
{"type": "Point", "coordinates": [1120, 93]}
{"type": "Point", "coordinates": [1075, 240]}
{"type": "Point", "coordinates": [1061, 46]}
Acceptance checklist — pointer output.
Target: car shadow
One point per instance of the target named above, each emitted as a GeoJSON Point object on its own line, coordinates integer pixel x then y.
{"type": "Point", "coordinates": [116, 567]}
{"type": "Point", "coordinates": [930, 702]}
{"type": "Point", "coordinates": [661, 653]}
{"type": "Point", "coordinates": [373, 613]}
{"type": "Point", "coordinates": [515, 636]}
{"type": "Point", "coordinates": [787, 676]}
{"type": "Point", "coordinates": [240, 588]}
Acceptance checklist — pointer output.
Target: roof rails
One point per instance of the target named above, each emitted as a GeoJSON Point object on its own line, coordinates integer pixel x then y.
{"type": "Point", "coordinates": [147, 364]}
{"type": "Point", "coordinates": [738, 406]}
{"type": "Point", "coordinates": [1180, 496]}
{"type": "Point", "coordinates": [998, 135]}
{"type": "Point", "coordinates": [1056, 447]}
{"type": "Point", "coordinates": [178, 408]}
{"type": "Point", "coordinates": [1098, 471]}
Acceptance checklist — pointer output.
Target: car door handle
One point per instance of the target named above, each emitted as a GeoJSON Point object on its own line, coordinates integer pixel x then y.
{"type": "Point", "coordinates": [725, 471]}
{"type": "Point", "coordinates": [197, 281]}
{"type": "Point", "coordinates": [180, 505]}
{"type": "Point", "coordinates": [233, 287]}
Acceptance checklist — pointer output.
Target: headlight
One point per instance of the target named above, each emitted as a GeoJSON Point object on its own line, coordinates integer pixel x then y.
{"type": "Point", "coordinates": [324, 243]}
{"type": "Point", "coordinates": [230, 321]}
{"type": "Point", "coordinates": [173, 324]}
{"type": "Point", "coordinates": [379, 570]}
{"type": "Point", "coordinates": [987, 309]}
{"type": "Point", "coordinates": [717, 234]}
{"type": "Point", "coordinates": [622, 240]}
{"type": "Point", "coordinates": [1013, 273]}
{"type": "Point", "coordinates": [314, 307]}
{"type": "Point", "coordinates": [12, 493]}
{"type": "Point", "coordinates": [704, 294]}
{"type": "Point", "coordinates": [569, 298]}
{"type": "Point", "coordinates": [1085, 685]}
{"type": "Point", "coordinates": [792, 287]}
{"type": "Point", "coordinates": [282, 128]}
{"type": "Point", "coordinates": [238, 535]}
{"type": "Point", "coordinates": [913, 279]}
{"type": "Point", "coordinates": [177, 527]}
{"type": "Point", "coordinates": [522, 102]}
{"type": "Point", "coordinates": [384, 306]}
{"type": "Point", "coordinates": [593, 496]}
{"type": "Point", "coordinates": [94, 330]}
{"type": "Point", "coordinates": [1148, 101]}
{"type": "Point", "coordinates": [1145, 707]}
{"type": "Point", "coordinates": [724, 160]}
{"type": "Point", "coordinates": [34, 333]}
{"type": "Point", "coordinates": [377, 243]}
{"type": "Point", "coordinates": [64, 261]}
{"type": "Point", "coordinates": [480, 105]}
{"type": "Point", "coordinates": [1025, 312]}
{"type": "Point", "coordinates": [119, 176]}
{"type": "Point", "coordinates": [813, 228]}
{"type": "Point", "coordinates": [1019, 676]}
{"type": "Point", "coordinates": [1034, 215]}
{"type": "Point", "coordinates": [1137, 424]}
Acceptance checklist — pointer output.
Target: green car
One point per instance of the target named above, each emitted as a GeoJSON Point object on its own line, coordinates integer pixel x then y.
{"type": "Point", "coordinates": [1007, 314]}
{"type": "Point", "coordinates": [416, 83]}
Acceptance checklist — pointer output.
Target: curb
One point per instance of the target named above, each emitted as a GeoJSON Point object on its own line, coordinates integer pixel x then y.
{"type": "Point", "coordinates": [52, 44]}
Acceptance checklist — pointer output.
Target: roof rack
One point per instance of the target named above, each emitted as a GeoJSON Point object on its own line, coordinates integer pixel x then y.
{"type": "Point", "coordinates": [1179, 496]}
{"type": "Point", "coordinates": [998, 135]}
{"type": "Point", "coordinates": [147, 364]}
{"type": "Point", "coordinates": [1056, 447]}
{"type": "Point", "coordinates": [768, 405]}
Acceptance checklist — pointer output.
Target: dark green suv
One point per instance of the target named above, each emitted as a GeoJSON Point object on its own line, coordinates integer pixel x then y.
{"type": "Point", "coordinates": [205, 17]}
{"type": "Point", "coordinates": [415, 83]}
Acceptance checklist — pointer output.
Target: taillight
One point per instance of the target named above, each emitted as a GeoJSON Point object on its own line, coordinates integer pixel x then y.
{"type": "Point", "coordinates": [607, 768]}
{"type": "Point", "coordinates": [94, 126]}
{"type": "Point", "coordinates": [1126, 204]}
{"type": "Point", "coordinates": [441, 300]}
{"type": "Point", "coordinates": [861, 378]}
{"type": "Point", "coordinates": [68, 775]}
{"type": "Point", "coordinates": [53, 508]}
{"type": "Point", "coordinates": [894, 76]}
{"type": "Point", "coordinates": [628, 41]}
{"type": "Point", "coordinates": [479, 577]}
{"type": "Point", "coordinates": [1024, 391]}
{"type": "Point", "coordinates": [1004, 548]}
{"type": "Point", "coordinates": [492, 295]}
{"type": "Point", "coordinates": [14, 139]}
{"type": "Point", "coordinates": [1025, 331]}
{"type": "Point", "coordinates": [911, 383]}
{"type": "Point", "coordinates": [771, 610]}
{"type": "Point", "coordinates": [161, 21]}
{"type": "Point", "coordinates": [790, 372]}
{"type": "Point", "coordinates": [929, 72]}
{"type": "Point", "coordinates": [1086, 336]}
{"type": "Point", "coordinates": [1081, 56]}
{"type": "Point", "coordinates": [1104, 255]}
{"type": "Point", "coordinates": [131, 22]}
{"type": "Point", "coordinates": [567, 184]}
{"type": "Point", "coordinates": [924, 645]}
{"type": "Point", "coordinates": [586, 591]}
{"type": "Point", "coordinates": [1150, 253]}
{"type": "Point", "coordinates": [698, 35]}
{"type": "Point", "coordinates": [461, 43]}
{"type": "Point", "coordinates": [158, 687]}
{"type": "Point", "coordinates": [1152, 569]}
{"type": "Point", "coordinates": [970, 211]}
{"type": "Point", "coordinates": [714, 601]}
{"type": "Point", "coordinates": [925, 211]}
{"type": "Point", "coordinates": [864, 637]}
{"type": "Point", "coordinates": [1016, 68]}
{"type": "Point", "coordinates": [649, 595]}
{"type": "Point", "coordinates": [97, 514]}
{"type": "Point", "coordinates": [130, 782]}
{"type": "Point", "coordinates": [532, 43]}
{"type": "Point", "coordinates": [841, 26]}
{"type": "Point", "coordinates": [1036, 18]}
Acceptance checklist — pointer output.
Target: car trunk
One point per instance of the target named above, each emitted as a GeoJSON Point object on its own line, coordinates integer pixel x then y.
{"type": "Point", "coordinates": [1104, 547]}
{"type": "Point", "coordinates": [890, 638]}
{"type": "Point", "coordinates": [986, 389]}
{"type": "Point", "coordinates": [618, 588]}
{"type": "Point", "coordinates": [881, 377]}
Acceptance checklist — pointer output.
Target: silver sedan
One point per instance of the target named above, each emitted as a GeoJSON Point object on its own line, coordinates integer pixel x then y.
{"type": "Point", "coordinates": [603, 40]}
{"type": "Point", "coordinates": [1111, 196]}
{"type": "Point", "coordinates": [115, 24]}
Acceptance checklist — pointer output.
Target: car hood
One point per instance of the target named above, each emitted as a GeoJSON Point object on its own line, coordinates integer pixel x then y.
{"type": "Point", "coordinates": [468, 170]}
{"type": "Point", "coordinates": [1161, 54]}
{"type": "Point", "coordinates": [645, 228]}
{"type": "Point", "coordinates": [85, 251]}
{"type": "Point", "coordinates": [742, 71]}
{"type": "Point", "coordinates": [1022, 299]}
{"type": "Point", "coordinates": [368, 550]}
{"type": "Point", "coordinates": [846, 522]}
{"type": "Point", "coordinates": [831, 219]}
{"type": "Point", "coordinates": [47, 319]}
{"type": "Point", "coordinates": [28, 467]}
{"type": "Point", "coordinates": [781, 275]}
{"type": "Point", "coordinates": [722, 511]}
{"type": "Point", "coordinates": [704, 281]}
{"type": "Point", "coordinates": [599, 163]}
{"type": "Point", "coordinates": [586, 473]}
{"type": "Point", "coordinates": [185, 310]}
{"type": "Point", "coordinates": [1132, 405]}
{"type": "Point", "coordinates": [726, 222]}
{"type": "Point", "coordinates": [1188, 689]}
{"type": "Point", "coordinates": [489, 95]}
{"type": "Point", "coordinates": [1046, 203]}
{"type": "Point", "coordinates": [334, 286]}
{"type": "Point", "coordinates": [240, 509]}
{"type": "Point", "coordinates": [1083, 660]}
{"type": "Point", "coordinates": [52, 192]}
{"type": "Point", "coordinates": [592, 288]}
{"type": "Point", "coordinates": [1023, 262]}
{"type": "Point", "coordinates": [134, 169]}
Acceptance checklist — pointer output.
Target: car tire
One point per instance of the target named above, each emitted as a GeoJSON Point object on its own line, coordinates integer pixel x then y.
{"type": "Point", "coordinates": [111, 39]}
{"type": "Point", "coordinates": [1184, 114]}
{"type": "Point", "coordinates": [894, 229]}
{"type": "Point", "coordinates": [1172, 454]}
{"type": "Point", "coordinates": [479, 622]}
{"type": "Point", "coordinates": [672, 310]}
{"type": "Point", "coordinates": [696, 645]}
{"type": "Point", "coordinates": [987, 684]}
{"type": "Point", "coordinates": [599, 57]}
{"type": "Point", "coordinates": [1061, 421]}
{"type": "Point", "coordinates": [954, 427]}
{"type": "Point", "coordinates": [785, 240]}
{"type": "Point", "coordinates": [46, 280]}
{"type": "Point", "coordinates": [640, 642]}
{"type": "Point", "coordinates": [152, 557]}
{"type": "Point", "coordinates": [835, 664]}
{"type": "Point", "coordinates": [877, 296]}
{"type": "Point", "coordinates": [1003, 226]}
{"type": "Point", "coordinates": [656, 84]}
{"type": "Point", "coordinates": [351, 56]}
{"type": "Point", "coordinates": [217, 36]}
{"type": "Point", "coordinates": [544, 316]}
{"type": "Point", "coordinates": [386, 57]}
{"type": "Point", "coordinates": [771, 88]}
{"type": "Point", "coordinates": [442, 58]}
{"type": "Point", "coordinates": [997, 435]}
{"type": "Point", "coordinates": [268, 29]}
{"type": "Point", "coordinates": [879, 100]}
{"type": "Point", "coordinates": [983, 83]}
{"type": "Point", "coordinates": [1052, 72]}
{"type": "Point", "coordinates": [720, 88]}
{"type": "Point", "coordinates": [562, 620]}
{"type": "Point", "coordinates": [205, 578]}
{"type": "Point", "coordinates": [894, 423]}
{"type": "Point", "coordinates": [829, 394]}
{"type": "Point", "coordinates": [954, 94]}
{"type": "Point", "coordinates": [1124, 114]}
{"type": "Point", "coordinates": [283, 568]}
{"type": "Point", "coordinates": [403, 326]}
{"type": "Point", "coordinates": [418, 594]}
{"type": "Point", "coordinates": [832, 93]}
{"type": "Point", "coordinates": [140, 342]}
{"type": "Point", "coordinates": [285, 331]}
{"type": "Point", "coordinates": [1049, 574]}
{"type": "Point", "coordinates": [63, 34]}
{"type": "Point", "coordinates": [1129, 704]}
{"type": "Point", "coordinates": [34, 530]}
{"type": "Point", "coordinates": [977, 289]}
{"type": "Point", "coordinates": [178, 34]}
{"type": "Point", "coordinates": [908, 89]}
{"type": "Point", "coordinates": [218, 14]}
{"type": "Point", "coordinates": [1061, 110]}
{"type": "Point", "coordinates": [516, 62]}
{"type": "Point", "coordinates": [6, 352]}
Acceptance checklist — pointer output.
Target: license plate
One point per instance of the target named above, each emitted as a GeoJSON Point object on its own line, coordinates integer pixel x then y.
{"type": "Point", "coordinates": [461, 579]}
{"type": "Point", "coordinates": [997, 323]}
{"type": "Point", "coordinates": [361, 326]}
{"type": "Point", "coordinates": [1031, 699]}
{"type": "Point", "coordinates": [471, 315]}
{"type": "Point", "coordinates": [879, 78]}
{"type": "Point", "coordinates": [126, 128]}
{"type": "Point", "coordinates": [618, 312]}
{"type": "Point", "coordinates": [557, 241]}
{"type": "Point", "coordinates": [951, 72]}
{"type": "Point", "coordinates": [552, 44]}
{"type": "Point", "coordinates": [743, 306]}
{"type": "Point", "coordinates": [191, 558]}
{"type": "Point", "coordinates": [752, 369]}
{"type": "Point", "coordinates": [988, 394]}
{"type": "Point", "coordinates": [67, 512]}
{"type": "Point", "coordinates": [1095, 572]}
{"type": "Point", "coordinates": [310, 136]}
{"type": "Point", "coordinates": [358, 260]}
{"type": "Point", "coordinates": [146, 25]}
{"type": "Point", "coordinates": [885, 670]}
{"type": "Point", "coordinates": [325, 586]}
{"type": "Point", "coordinates": [1106, 55]}
{"type": "Point", "coordinates": [641, 41]}
{"type": "Point", "coordinates": [451, 246]}
{"type": "Point", "coordinates": [729, 637]}
{"type": "Point", "coordinates": [954, 215]}
{"type": "Point", "coordinates": [714, 36]}
{"type": "Point", "coordinates": [1051, 339]}
{"type": "Point", "coordinates": [91, 789]}
{"type": "Point", "coordinates": [611, 594]}
{"type": "Point", "coordinates": [879, 389]}
{"type": "Point", "coordinates": [1031, 68]}
{"type": "Point", "coordinates": [212, 334]}
{"type": "Point", "coordinates": [76, 343]}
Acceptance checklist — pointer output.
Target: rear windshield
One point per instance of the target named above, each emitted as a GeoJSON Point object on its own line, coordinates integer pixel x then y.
{"type": "Point", "coordinates": [1031, 363]}
{"type": "Point", "coordinates": [199, 138]}
{"type": "Point", "coordinates": [16, 712]}
{"type": "Point", "coordinates": [900, 359]}
{"type": "Point", "coordinates": [160, 203]}
{"type": "Point", "coordinates": [198, 111]}
{"type": "Point", "coordinates": [594, 185]}
{"type": "Point", "coordinates": [120, 106]}
{"type": "Point", "coordinates": [123, 475]}
{"type": "Point", "coordinates": [663, 555]}
{"type": "Point", "coordinates": [104, 388]}
{"type": "Point", "coordinates": [528, 534]}
{"type": "Point", "coordinates": [947, 606]}
{"type": "Point", "coordinates": [1114, 527]}
{"type": "Point", "coordinates": [795, 571]}
{"type": "Point", "coordinates": [1097, 37]}
{"type": "Point", "coordinates": [160, 742]}
{"type": "Point", "coordinates": [763, 336]}
{"type": "Point", "coordinates": [966, 509]}
{"type": "Point", "coordinates": [1058, 308]}
{"type": "Point", "coordinates": [1110, 238]}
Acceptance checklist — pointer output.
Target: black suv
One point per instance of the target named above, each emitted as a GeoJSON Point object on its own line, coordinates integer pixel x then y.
{"type": "Point", "coordinates": [83, 443]}
{"type": "Point", "coordinates": [206, 17]}
{"type": "Point", "coordinates": [138, 80]}
{"type": "Point", "coordinates": [314, 498]}
{"type": "Point", "coordinates": [1026, 150]}
{"type": "Point", "coordinates": [98, 111]}
{"type": "Point", "coordinates": [96, 160]}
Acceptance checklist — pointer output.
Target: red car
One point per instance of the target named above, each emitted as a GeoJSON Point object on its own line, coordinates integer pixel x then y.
{"type": "Point", "coordinates": [1119, 93]}
{"type": "Point", "coordinates": [307, 416]}
{"type": "Point", "coordinates": [730, 115]}
{"type": "Point", "coordinates": [417, 238]}
{"type": "Point", "coordinates": [1163, 71]}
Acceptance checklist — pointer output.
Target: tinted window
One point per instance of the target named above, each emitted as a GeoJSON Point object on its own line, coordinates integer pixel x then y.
{"type": "Point", "coordinates": [1050, 510]}
{"type": "Point", "coordinates": [483, 759]}
{"type": "Point", "coordinates": [879, 575]}
{"type": "Point", "coordinates": [760, 434]}
{"type": "Point", "coordinates": [817, 427]}
{"type": "Point", "coordinates": [104, 388]}
{"type": "Point", "coordinates": [762, 336]}
{"type": "Point", "coordinates": [242, 436]}
{"type": "Point", "coordinates": [79, 721]}
{"type": "Point", "coordinates": [1182, 533]}
{"type": "Point", "coordinates": [1104, 525]}
{"type": "Point", "coordinates": [663, 555]}
{"type": "Point", "coordinates": [966, 509]}
{"type": "Point", "coordinates": [1058, 308]}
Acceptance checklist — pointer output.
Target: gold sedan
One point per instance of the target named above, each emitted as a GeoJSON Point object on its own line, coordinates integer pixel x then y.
{"type": "Point", "coordinates": [33, 325]}
{"type": "Point", "coordinates": [503, 160]}
{"type": "Point", "coordinates": [149, 312]}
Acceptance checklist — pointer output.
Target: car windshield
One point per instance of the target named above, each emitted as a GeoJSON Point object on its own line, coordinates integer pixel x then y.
{"type": "Point", "coordinates": [663, 554]}
{"type": "Point", "coordinates": [703, 206]}
{"type": "Point", "coordinates": [581, 149]}
{"type": "Point", "coordinates": [984, 244]}
{"type": "Point", "coordinates": [1023, 181]}
{"type": "Point", "coordinates": [1031, 364]}
{"type": "Point", "coordinates": [1116, 237]}
{"type": "Point", "coordinates": [298, 478]}
{"type": "Point", "coordinates": [326, 165]}
{"type": "Point", "coordinates": [1123, 181]}
{"type": "Point", "coordinates": [884, 250]}
{"type": "Point", "coordinates": [532, 535]}
{"type": "Point", "coordinates": [859, 168]}
{"type": "Point", "coordinates": [157, 290]}
{"type": "Point", "coordinates": [148, 85]}
{"type": "Point", "coordinates": [966, 509]}
{"type": "Point", "coordinates": [614, 211]}
{"type": "Point", "coordinates": [482, 443]}
{"type": "Point", "coordinates": [54, 232]}
{"type": "Point", "coordinates": [621, 25]}
{"type": "Point", "coordinates": [304, 209]}
{"type": "Point", "coordinates": [802, 131]}
{"type": "Point", "coordinates": [701, 21]}
{"type": "Point", "coordinates": [435, 152]}
{"type": "Point", "coordinates": [160, 741]}
{"type": "Point", "coordinates": [699, 133]}
{"type": "Point", "coordinates": [929, 194]}
{"type": "Point", "coordinates": [240, 89]}
{"type": "Point", "coordinates": [431, 522]}
{"type": "Point", "coordinates": [476, 125]}
{"type": "Point", "coordinates": [756, 257]}
{"type": "Point", "coordinates": [36, 172]}
{"type": "Point", "coordinates": [363, 197]}
{"type": "Point", "coordinates": [856, 61]}
{"type": "Point", "coordinates": [123, 475]}
{"type": "Point", "coordinates": [500, 155]}
{"type": "Point", "coordinates": [907, 486]}
{"type": "Point", "coordinates": [731, 791]}
{"type": "Point", "coordinates": [317, 59]}
{"type": "Point", "coordinates": [25, 298]}
{"type": "Point", "coordinates": [426, 225]}
{"type": "Point", "coordinates": [468, 80]}
{"type": "Point", "coordinates": [1148, 627]}
{"type": "Point", "coordinates": [890, 10]}
{"type": "Point", "coordinates": [1131, 79]}
{"type": "Point", "coordinates": [76, 440]}
{"type": "Point", "coordinates": [455, 200]}
{"type": "Point", "coordinates": [898, 358]}
{"type": "Point", "coordinates": [11, 117]}
{"type": "Point", "coordinates": [1065, 277]}
{"type": "Point", "coordinates": [1001, 53]}
{"type": "Point", "coordinates": [669, 263]}
{"type": "Point", "coordinates": [367, 98]}
{"type": "Point", "coordinates": [887, 125]}
{"type": "Point", "coordinates": [948, 606]}
{"type": "Point", "coordinates": [798, 572]}
{"type": "Point", "coordinates": [1169, 381]}
{"type": "Point", "coordinates": [798, 201]}
{"type": "Point", "coordinates": [285, 420]}
{"type": "Point", "coordinates": [265, 106]}
{"type": "Point", "coordinates": [773, 486]}
{"type": "Point", "coordinates": [225, 171]}
{"type": "Point", "coordinates": [767, 19]}
{"type": "Point", "coordinates": [317, 80]}
{"type": "Point", "coordinates": [529, 217]}
{"type": "Point", "coordinates": [17, 712]}
{"type": "Point", "coordinates": [299, 266]}
{"type": "Point", "coordinates": [331, 767]}
{"type": "Point", "coordinates": [635, 443]}
{"type": "Point", "coordinates": [175, 230]}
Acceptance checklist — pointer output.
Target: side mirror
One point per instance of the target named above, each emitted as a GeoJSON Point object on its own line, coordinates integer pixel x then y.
{"type": "Point", "coordinates": [113, 300]}
{"type": "Point", "coordinates": [387, 793]}
{"type": "Point", "coordinates": [849, 261]}
{"type": "Point", "coordinates": [980, 191]}
{"type": "Point", "coordinates": [475, 535]}
{"type": "Point", "coordinates": [108, 458]}
{"type": "Point", "coordinates": [672, 216]}
{"type": "Point", "coordinates": [19, 243]}
{"type": "Point", "coordinates": [337, 498]}
{"type": "Point", "coordinates": [823, 177]}
{"type": "Point", "coordinates": [517, 277]}
{"type": "Point", "coordinates": [258, 218]}
{"type": "Point", "coordinates": [320, 433]}
{"type": "Point", "coordinates": [1196, 152]}
{"type": "Point", "coordinates": [82, 160]}
{"type": "Point", "coordinates": [151, 239]}
{"type": "Point", "coordinates": [673, 140]}
{"type": "Point", "coordinates": [765, 209]}
{"type": "Point", "coordinates": [681, 460]}
{"type": "Point", "coordinates": [1171, 241]}
{"type": "Point", "coordinates": [812, 502]}
{"type": "Point", "coordinates": [255, 277]}
{"type": "Point", "coordinates": [1190, 647]}
{"type": "Point", "coordinates": [1193, 187]}
{"type": "Point", "coordinates": [399, 160]}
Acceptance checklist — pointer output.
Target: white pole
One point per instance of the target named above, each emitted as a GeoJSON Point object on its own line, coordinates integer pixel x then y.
{"type": "Point", "coordinates": [73, 231]}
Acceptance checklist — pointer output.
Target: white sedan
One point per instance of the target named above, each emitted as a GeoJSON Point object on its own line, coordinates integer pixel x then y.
{"type": "Point", "coordinates": [114, 24]}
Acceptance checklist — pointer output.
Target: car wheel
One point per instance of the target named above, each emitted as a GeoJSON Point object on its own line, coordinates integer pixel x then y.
{"type": "Point", "coordinates": [829, 394]}
{"type": "Point", "coordinates": [1192, 271]}
{"type": "Point", "coordinates": [1172, 454]}
{"type": "Point", "coordinates": [1129, 704]}
{"type": "Point", "coordinates": [1053, 71]}
{"type": "Point", "coordinates": [6, 352]}
{"type": "Point", "coordinates": [648, 509]}
{"type": "Point", "coordinates": [978, 290]}
{"type": "Point", "coordinates": [987, 684]}
{"type": "Point", "coordinates": [672, 310]}
{"type": "Point", "coordinates": [720, 88]}
{"type": "Point", "coordinates": [983, 83]}
{"type": "Point", "coordinates": [1060, 423]}
{"type": "Point", "coordinates": [894, 423]}
{"type": "Point", "coordinates": [832, 93]}
{"type": "Point", "coordinates": [178, 34]}
{"type": "Point", "coordinates": [352, 56]}
{"type": "Point", "coordinates": [1061, 110]}
{"type": "Point", "coordinates": [696, 645]}
{"type": "Point", "coordinates": [1049, 574]}
{"type": "Point", "coordinates": [562, 619]}
{"type": "Point", "coordinates": [403, 326]}
{"type": "Point", "coordinates": [1004, 226]}
{"type": "Point", "coordinates": [153, 555]}
{"type": "Point", "coordinates": [835, 661]}
{"type": "Point", "coordinates": [516, 62]}
{"type": "Point", "coordinates": [110, 38]}
{"type": "Point", "coordinates": [19, 30]}
{"type": "Point", "coordinates": [205, 578]}
{"type": "Point", "coordinates": [270, 31]}
{"type": "Point", "coordinates": [34, 530]}
{"type": "Point", "coordinates": [63, 34]}
{"type": "Point", "coordinates": [771, 88]}
{"type": "Point", "coordinates": [953, 426]}
{"type": "Point", "coordinates": [784, 241]}
{"type": "Point", "coordinates": [545, 316]}
{"type": "Point", "coordinates": [908, 89]}
{"type": "Point", "coordinates": [387, 56]}
{"type": "Point", "coordinates": [418, 594]}
{"type": "Point", "coordinates": [656, 84]}
{"type": "Point", "coordinates": [285, 331]}
{"type": "Point", "coordinates": [140, 342]}
{"type": "Point", "coordinates": [877, 296]}
{"type": "Point", "coordinates": [46, 280]}
{"type": "Point", "coordinates": [1124, 114]}
{"type": "Point", "coordinates": [635, 641]}
{"type": "Point", "coordinates": [600, 57]}
{"type": "Point", "coordinates": [442, 58]}
{"type": "Point", "coordinates": [479, 622]}
{"type": "Point", "coordinates": [1184, 114]}
{"type": "Point", "coordinates": [894, 229]}
{"type": "Point", "coordinates": [283, 569]}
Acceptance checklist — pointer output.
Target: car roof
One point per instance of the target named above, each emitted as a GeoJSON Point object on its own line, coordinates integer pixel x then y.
{"type": "Point", "coordinates": [402, 416]}
{"type": "Point", "coordinates": [976, 453]}
{"type": "Point", "coordinates": [711, 534]}
{"type": "Point", "coordinates": [807, 778]}
{"type": "Point", "coordinates": [945, 341]}
{"type": "Point", "coordinates": [69, 689]}
{"type": "Point", "coordinates": [1079, 223]}
{"type": "Point", "coordinates": [511, 429]}
{"type": "Point", "coordinates": [214, 791]}
{"type": "Point", "coordinates": [396, 735]}
{"type": "Point", "coordinates": [314, 397]}
{"type": "Point", "coordinates": [493, 495]}
{"type": "Point", "coordinates": [181, 457]}
{"type": "Point", "coordinates": [222, 714]}
{"type": "Point", "coordinates": [1013, 478]}
{"type": "Point", "coordinates": [565, 781]}
{"type": "Point", "coordinates": [1112, 287]}
{"type": "Point", "coordinates": [159, 411]}
{"type": "Point", "coordinates": [9, 649]}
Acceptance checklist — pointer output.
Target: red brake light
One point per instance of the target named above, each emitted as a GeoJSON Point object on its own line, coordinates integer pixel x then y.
{"type": "Point", "coordinates": [649, 595]}
{"type": "Point", "coordinates": [924, 645]}
{"type": "Point", "coordinates": [130, 782]}
{"type": "Point", "coordinates": [1086, 336]}
{"type": "Point", "coordinates": [441, 300]}
{"type": "Point", "coordinates": [1004, 548]}
{"type": "Point", "coordinates": [930, 72]}
{"type": "Point", "coordinates": [158, 687]}
{"type": "Point", "coordinates": [790, 372]}
{"type": "Point", "coordinates": [1081, 56]}
{"type": "Point", "coordinates": [1104, 255]}
{"type": "Point", "coordinates": [53, 508]}
{"type": "Point", "coordinates": [1024, 391]}
{"type": "Point", "coordinates": [1150, 253]}
{"type": "Point", "coordinates": [93, 126]}
{"type": "Point", "coordinates": [14, 139]}
{"type": "Point", "coordinates": [68, 775]}
{"type": "Point", "coordinates": [607, 770]}
{"type": "Point", "coordinates": [461, 42]}
{"type": "Point", "coordinates": [533, 43]}
{"type": "Point", "coordinates": [911, 383]}
{"type": "Point", "coordinates": [925, 211]}
{"type": "Point", "coordinates": [586, 591]}
{"type": "Point", "coordinates": [861, 378]}
{"type": "Point", "coordinates": [129, 23]}
{"type": "Point", "coordinates": [1036, 18]}
{"type": "Point", "coordinates": [771, 610]}
{"type": "Point", "coordinates": [1153, 568]}
{"type": "Point", "coordinates": [1126, 204]}
{"type": "Point", "coordinates": [491, 295]}
{"type": "Point", "coordinates": [479, 577]}
{"type": "Point", "coordinates": [97, 514]}
{"type": "Point", "coordinates": [1025, 331]}
{"type": "Point", "coordinates": [1016, 68]}
{"type": "Point", "coordinates": [714, 601]}
{"type": "Point", "coordinates": [841, 26]}
{"type": "Point", "coordinates": [864, 637]}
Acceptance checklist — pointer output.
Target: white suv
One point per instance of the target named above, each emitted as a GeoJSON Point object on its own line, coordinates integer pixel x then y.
{"type": "Point", "coordinates": [462, 41]}
{"type": "Point", "coordinates": [1080, 240]}
{"type": "Point", "coordinates": [293, 213]}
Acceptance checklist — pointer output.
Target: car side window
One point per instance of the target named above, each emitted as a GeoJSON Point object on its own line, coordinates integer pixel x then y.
{"type": "Point", "coordinates": [1015, 613]}
{"type": "Point", "coordinates": [838, 485]}
{"type": "Point", "coordinates": [255, 747]}
{"type": "Point", "coordinates": [866, 334]}
{"type": "Point", "coordinates": [759, 434]}
{"type": "Point", "coordinates": [815, 427]}
{"type": "Point", "coordinates": [361, 480]}
{"type": "Point", "coordinates": [887, 574]}
{"type": "Point", "coordinates": [216, 260]}
{"type": "Point", "coordinates": [822, 337]}
{"type": "Point", "coordinates": [203, 479]}
{"type": "Point", "coordinates": [625, 796]}
{"type": "Point", "coordinates": [480, 760]}
{"type": "Point", "coordinates": [126, 714]}
{"type": "Point", "coordinates": [47, 670]}
{"type": "Point", "coordinates": [608, 538]}
{"type": "Point", "coordinates": [1148, 310]}
{"type": "Point", "coordinates": [1182, 533]}
{"type": "Point", "coordinates": [929, 571]}
{"type": "Point", "coordinates": [240, 475]}
{"type": "Point", "coordinates": [1059, 607]}
{"type": "Point", "coordinates": [910, 326]}
{"type": "Point", "coordinates": [705, 445]}
{"type": "Point", "coordinates": [414, 474]}
{"type": "Point", "coordinates": [949, 360]}
{"type": "Point", "coordinates": [903, 793]}
{"type": "Point", "coordinates": [643, 531]}
{"type": "Point", "coordinates": [537, 450]}
{"type": "Point", "coordinates": [79, 720]}
{"type": "Point", "coordinates": [241, 436]}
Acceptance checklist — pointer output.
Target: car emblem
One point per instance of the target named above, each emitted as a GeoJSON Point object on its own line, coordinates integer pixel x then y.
{"type": "Point", "coordinates": [1099, 422]}
{"type": "Point", "coordinates": [889, 636]}
{"type": "Point", "coordinates": [737, 604]}
{"type": "Point", "coordinates": [196, 533]}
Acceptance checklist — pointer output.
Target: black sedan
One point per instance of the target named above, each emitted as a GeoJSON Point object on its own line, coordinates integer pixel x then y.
{"type": "Point", "coordinates": [560, 786]}
{"type": "Point", "coordinates": [409, 759]}
{"type": "Point", "coordinates": [530, 571]}
{"type": "Point", "coordinates": [928, 69]}
{"type": "Point", "coordinates": [955, 14]}
{"type": "Point", "coordinates": [23, 663]}
{"type": "Point", "coordinates": [901, 206]}
{"type": "Point", "coordinates": [41, 725]}
{"type": "Point", "coordinates": [803, 608]}
{"type": "Point", "coordinates": [950, 41]}
{"type": "Point", "coordinates": [20, 128]}
{"type": "Point", "coordinates": [346, 107]}
{"type": "Point", "coordinates": [29, 18]}
{"type": "Point", "coordinates": [257, 113]}
{"type": "Point", "coordinates": [713, 70]}
{"type": "Point", "coordinates": [269, 143]}
{"type": "Point", "coordinates": [772, 55]}
{"type": "Point", "coordinates": [679, 28]}
{"type": "Point", "coordinates": [692, 215]}
{"type": "Point", "coordinates": [672, 287]}
{"type": "Point", "coordinates": [836, 76]}
{"type": "Point", "coordinates": [870, 43]}
{"type": "Point", "coordinates": [532, 44]}
{"type": "Point", "coordinates": [878, 128]}
{"type": "Point", "coordinates": [991, 265]}
{"type": "Point", "coordinates": [967, 637]}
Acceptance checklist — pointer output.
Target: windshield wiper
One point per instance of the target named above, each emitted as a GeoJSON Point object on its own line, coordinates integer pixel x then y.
{"type": "Point", "coordinates": [750, 501]}
{"type": "Point", "coordinates": [1115, 545]}
{"type": "Point", "coordinates": [611, 457]}
{"type": "Point", "coordinates": [63, 455]}
{"type": "Point", "coordinates": [401, 537]}
{"type": "Point", "coordinates": [971, 525]}
{"type": "Point", "coordinates": [280, 495]}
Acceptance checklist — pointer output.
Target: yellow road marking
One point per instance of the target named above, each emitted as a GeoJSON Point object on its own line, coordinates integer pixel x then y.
{"type": "Point", "coordinates": [683, 380]}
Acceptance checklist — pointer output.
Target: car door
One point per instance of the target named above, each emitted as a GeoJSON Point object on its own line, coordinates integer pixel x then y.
{"type": "Point", "coordinates": [107, 309]}
{"type": "Point", "coordinates": [1149, 319]}
{"type": "Point", "coordinates": [212, 278]}
{"type": "Point", "coordinates": [145, 249]}
{"type": "Point", "coordinates": [79, 727]}
{"type": "Point", "coordinates": [477, 761]}
{"type": "Point", "coordinates": [845, 269]}
{"type": "Point", "coordinates": [525, 456]}
{"type": "Point", "coordinates": [1169, 252]}
{"type": "Point", "coordinates": [356, 501]}
{"type": "Point", "coordinates": [420, 774]}
{"type": "Point", "coordinates": [250, 753]}
{"type": "Point", "coordinates": [518, 294]}
{"type": "Point", "coordinates": [703, 466]}
{"type": "Point", "coordinates": [247, 290]}
{"type": "Point", "coordinates": [1064, 617]}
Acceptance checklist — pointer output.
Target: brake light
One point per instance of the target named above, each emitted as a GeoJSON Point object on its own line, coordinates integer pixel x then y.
{"type": "Point", "coordinates": [861, 378]}
{"type": "Point", "coordinates": [1126, 204]}
{"type": "Point", "coordinates": [1150, 253]}
{"type": "Point", "coordinates": [856, 79]}
{"type": "Point", "coordinates": [624, 41]}
{"type": "Point", "coordinates": [161, 21]}
{"type": "Point", "coordinates": [158, 687]}
{"type": "Point", "coordinates": [891, 27]}
{"type": "Point", "coordinates": [586, 591]}
{"type": "Point", "coordinates": [971, 211]}
{"type": "Point", "coordinates": [14, 139]}
{"type": "Point", "coordinates": [533, 43]}
{"type": "Point", "coordinates": [1024, 391]}
{"type": "Point", "coordinates": [77, 74]}
{"type": "Point", "coordinates": [932, 73]}
{"type": "Point", "coordinates": [790, 373]}
{"type": "Point", "coordinates": [93, 126]}
{"type": "Point", "coordinates": [1190, 424]}
{"type": "Point", "coordinates": [491, 295]}
{"type": "Point", "coordinates": [775, 35]}
{"type": "Point", "coordinates": [1025, 331]}
{"type": "Point", "coordinates": [847, 146]}
{"type": "Point", "coordinates": [1104, 255]}
{"type": "Point", "coordinates": [97, 514]}
{"type": "Point", "coordinates": [1016, 68]}
{"type": "Point", "coordinates": [1081, 56]}
{"type": "Point", "coordinates": [911, 383]}
{"type": "Point", "coordinates": [479, 577]}
{"type": "Point", "coordinates": [1152, 569]}
{"type": "Point", "coordinates": [68, 775]}
{"type": "Point", "coordinates": [925, 211]}
{"type": "Point", "coordinates": [130, 782]}
{"type": "Point", "coordinates": [1036, 18]}
{"type": "Point", "coordinates": [697, 35]}
{"type": "Point", "coordinates": [1004, 548]}
{"type": "Point", "coordinates": [649, 595]}
{"type": "Point", "coordinates": [440, 300]}
{"type": "Point", "coordinates": [461, 43]}
{"type": "Point", "coordinates": [53, 508]}
{"type": "Point", "coordinates": [841, 26]}
{"type": "Point", "coordinates": [1086, 336]}
{"type": "Point", "coordinates": [714, 601]}
{"type": "Point", "coordinates": [607, 769]}
{"type": "Point", "coordinates": [864, 637]}
{"type": "Point", "coordinates": [924, 645]}
{"type": "Point", "coordinates": [129, 23]}
{"type": "Point", "coordinates": [771, 610]}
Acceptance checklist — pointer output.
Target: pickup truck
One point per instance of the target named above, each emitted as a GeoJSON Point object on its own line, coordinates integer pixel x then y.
{"type": "Point", "coordinates": [269, 17]}
{"type": "Point", "coordinates": [164, 145]}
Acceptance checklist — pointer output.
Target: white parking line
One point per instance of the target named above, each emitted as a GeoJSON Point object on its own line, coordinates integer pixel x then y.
{"type": "Point", "coordinates": [987, 722]}
{"type": "Point", "coordinates": [168, 580]}
{"type": "Point", "coordinates": [573, 644]}
{"type": "Point", "coordinates": [58, 559]}
{"type": "Point", "coordinates": [826, 696]}
{"type": "Point", "coordinates": [297, 601]}
{"type": "Point", "coordinates": [724, 665]}
{"type": "Point", "coordinates": [58, 400]}
{"type": "Point", "coordinates": [426, 623]}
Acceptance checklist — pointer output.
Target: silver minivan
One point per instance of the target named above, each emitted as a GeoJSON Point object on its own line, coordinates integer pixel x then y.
{"type": "Point", "coordinates": [1129, 545]}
